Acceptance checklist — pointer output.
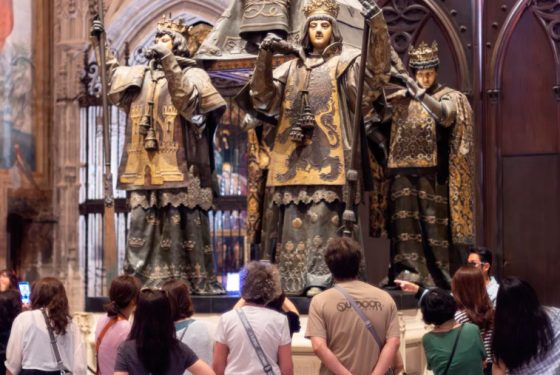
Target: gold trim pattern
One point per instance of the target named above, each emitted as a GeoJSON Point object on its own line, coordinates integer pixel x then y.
{"type": "Point", "coordinates": [194, 195]}
{"type": "Point", "coordinates": [407, 192]}
{"type": "Point", "coordinates": [303, 196]}
{"type": "Point", "coordinates": [430, 219]}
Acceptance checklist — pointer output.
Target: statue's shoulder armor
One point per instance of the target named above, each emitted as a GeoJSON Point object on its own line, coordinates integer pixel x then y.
{"type": "Point", "coordinates": [397, 95]}
{"type": "Point", "coordinates": [281, 72]}
{"type": "Point", "coordinates": [346, 58]}
{"type": "Point", "coordinates": [210, 98]}
{"type": "Point", "coordinates": [126, 77]}
{"type": "Point", "coordinates": [446, 91]}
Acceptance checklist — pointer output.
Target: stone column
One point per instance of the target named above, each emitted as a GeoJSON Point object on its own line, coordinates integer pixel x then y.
{"type": "Point", "coordinates": [71, 38]}
{"type": "Point", "coordinates": [4, 185]}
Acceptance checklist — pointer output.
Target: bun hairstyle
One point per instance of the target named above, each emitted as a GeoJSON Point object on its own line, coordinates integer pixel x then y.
{"type": "Point", "coordinates": [124, 289]}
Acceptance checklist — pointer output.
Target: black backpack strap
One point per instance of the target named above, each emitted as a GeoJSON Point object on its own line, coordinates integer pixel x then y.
{"type": "Point", "coordinates": [453, 351]}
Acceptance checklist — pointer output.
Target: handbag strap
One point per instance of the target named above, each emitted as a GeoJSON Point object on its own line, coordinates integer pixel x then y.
{"type": "Point", "coordinates": [362, 315]}
{"type": "Point", "coordinates": [108, 325]}
{"type": "Point", "coordinates": [255, 342]}
{"type": "Point", "coordinates": [453, 351]}
{"type": "Point", "coordinates": [59, 362]}
{"type": "Point", "coordinates": [184, 327]}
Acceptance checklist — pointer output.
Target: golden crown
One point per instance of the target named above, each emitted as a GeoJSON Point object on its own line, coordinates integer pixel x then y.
{"type": "Point", "coordinates": [423, 57]}
{"type": "Point", "coordinates": [169, 24]}
{"type": "Point", "coordinates": [321, 7]}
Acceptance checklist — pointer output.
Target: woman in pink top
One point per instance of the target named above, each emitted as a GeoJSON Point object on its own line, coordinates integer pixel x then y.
{"type": "Point", "coordinates": [114, 328]}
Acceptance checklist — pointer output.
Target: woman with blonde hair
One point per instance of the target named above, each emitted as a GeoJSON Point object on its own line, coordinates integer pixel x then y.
{"type": "Point", "coordinates": [45, 340]}
{"type": "Point", "coordinates": [254, 339]}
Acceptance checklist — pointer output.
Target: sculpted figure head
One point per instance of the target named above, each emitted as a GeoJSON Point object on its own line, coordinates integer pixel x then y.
{"type": "Point", "coordinates": [320, 29]}
{"type": "Point", "coordinates": [320, 33]}
{"type": "Point", "coordinates": [171, 34]}
{"type": "Point", "coordinates": [424, 63]}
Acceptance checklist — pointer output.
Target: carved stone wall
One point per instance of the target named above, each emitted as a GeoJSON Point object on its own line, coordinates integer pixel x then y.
{"type": "Point", "coordinates": [71, 35]}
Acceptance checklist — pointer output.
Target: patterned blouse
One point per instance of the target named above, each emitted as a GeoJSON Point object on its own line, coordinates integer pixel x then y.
{"type": "Point", "coordinates": [549, 364]}
{"type": "Point", "coordinates": [485, 334]}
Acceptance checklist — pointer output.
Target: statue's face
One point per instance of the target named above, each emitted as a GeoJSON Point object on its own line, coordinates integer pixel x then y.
{"type": "Point", "coordinates": [320, 32]}
{"type": "Point", "coordinates": [426, 77]}
{"type": "Point", "coordinates": [166, 41]}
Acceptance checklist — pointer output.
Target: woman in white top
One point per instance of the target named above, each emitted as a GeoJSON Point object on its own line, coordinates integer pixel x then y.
{"type": "Point", "coordinates": [29, 348]}
{"type": "Point", "coordinates": [233, 351]}
{"type": "Point", "coordinates": [194, 333]}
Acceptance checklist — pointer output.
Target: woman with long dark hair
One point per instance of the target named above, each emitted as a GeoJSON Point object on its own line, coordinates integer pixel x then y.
{"type": "Point", "coordinates": [152, 347]}
{"type": "Point", "coordinates": [113, 329]}
{"type": "Point", "coordinates": [10, 307]}
{"type": "Point", "coordinates": [526, 334]}
{"type": "Point", "coordinates": [474, 306]}
{"type": "Point", "coordinates": [8, 280]}
{"type": "Point", "coordinates": [30, 350]}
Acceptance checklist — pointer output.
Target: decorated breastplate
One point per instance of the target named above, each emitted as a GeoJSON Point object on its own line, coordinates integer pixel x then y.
{"type": "Point", "coordinates": [318, 159]}
{"type": "Point", "coordinates": [154, 156]}
{"type": "Point", "coordinates": [413, 136]}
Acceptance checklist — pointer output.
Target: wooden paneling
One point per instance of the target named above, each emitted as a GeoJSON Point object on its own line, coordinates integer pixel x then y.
{"type": "Point", "coordinates": [521, 140]}
{"type": "Point", "coordinates": [528, 105]}
{"type": "Point", "coordinates": [531, 204]}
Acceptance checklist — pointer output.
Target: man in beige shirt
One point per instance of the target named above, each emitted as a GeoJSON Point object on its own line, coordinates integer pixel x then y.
{"type": "Point", "coordinates": [338, 335]}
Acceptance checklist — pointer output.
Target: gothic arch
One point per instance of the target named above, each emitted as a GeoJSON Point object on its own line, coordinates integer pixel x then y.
{"type": "Point", "coordinates": [140, 16]}
{"type": "Point", "coordinates": [548, 17]}
{"type": "Point", "coordinates": [431, 8]}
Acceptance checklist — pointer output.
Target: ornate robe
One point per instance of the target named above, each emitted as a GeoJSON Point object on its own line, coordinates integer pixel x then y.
{"type": "Point", "coordinates": [170, 188]}
{"type": "Point", "coordinates": [430, 171]}
{"type": "Point", "coordinates": [306, 182]}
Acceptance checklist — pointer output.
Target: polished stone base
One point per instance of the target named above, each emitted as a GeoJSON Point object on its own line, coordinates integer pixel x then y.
{"type": "Point", "coordinates": [221, 304]}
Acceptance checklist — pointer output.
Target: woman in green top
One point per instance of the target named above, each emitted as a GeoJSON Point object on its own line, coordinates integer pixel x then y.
{"type": "Point", "coordinates": [438, 308]}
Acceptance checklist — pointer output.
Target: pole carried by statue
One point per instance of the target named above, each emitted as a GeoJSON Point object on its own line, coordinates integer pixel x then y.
{"type": "Point", "coordinates": [110, 263]}
{"type": "Point", "coordinates": [349, 216]}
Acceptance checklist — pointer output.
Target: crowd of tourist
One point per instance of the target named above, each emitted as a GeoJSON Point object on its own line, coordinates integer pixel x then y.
{"type": "Point", "coordinates": [478, 328]}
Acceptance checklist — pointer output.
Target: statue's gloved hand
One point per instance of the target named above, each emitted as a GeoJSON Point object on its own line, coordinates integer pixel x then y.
{"type": "Point", "coordinates": [414, 88]}
{"type": "Point", "coordinates": [97, 28]}
{"type": "Point", "coordinates": [273, 43]}
{"type": "Point", "coordinates": [401, 76]}
{"type": "Point", "coordinates": [156, 51]}
{"type": "Point", "coordinates": [270, 43]}
{"type": "Point", "coordinates": [370, 9]}
{"type": "Point", "coordinates": [411, 85]}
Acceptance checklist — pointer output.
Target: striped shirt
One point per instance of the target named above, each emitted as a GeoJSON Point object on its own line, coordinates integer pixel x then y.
{"type": "Point", "coordinates": [549, 364]}
{"type": "Point", "coordinates": [485, 334]}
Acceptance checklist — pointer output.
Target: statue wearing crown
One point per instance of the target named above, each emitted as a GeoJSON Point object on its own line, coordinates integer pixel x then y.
{"type": "Point", "coordinates": [167, 163]}
{"type": "Point", "coordinates": [430, 173]}
{"type": "Point", "coordinates": [313, 97]}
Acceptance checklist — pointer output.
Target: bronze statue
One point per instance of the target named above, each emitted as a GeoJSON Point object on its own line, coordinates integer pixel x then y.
{"type": "Point", "coordinates": [167, 164]}
{"type": "Point", "coordinates": [430, 172]}
{"type": "Point", "coordinates": [313, 97]}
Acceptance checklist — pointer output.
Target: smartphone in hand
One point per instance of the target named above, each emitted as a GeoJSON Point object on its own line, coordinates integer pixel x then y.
{"type": "Point", "coordinates": [25, 292]}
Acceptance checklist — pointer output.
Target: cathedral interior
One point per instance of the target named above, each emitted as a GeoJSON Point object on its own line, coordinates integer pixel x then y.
{"type": "Point", "coordinates": [504, 56]}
